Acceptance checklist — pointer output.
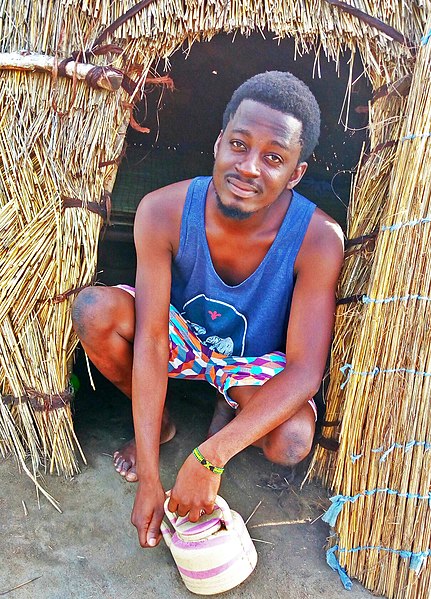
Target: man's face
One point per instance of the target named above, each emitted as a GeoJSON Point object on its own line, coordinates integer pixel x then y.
{"type": "Point", "coordinates": [256, 159]}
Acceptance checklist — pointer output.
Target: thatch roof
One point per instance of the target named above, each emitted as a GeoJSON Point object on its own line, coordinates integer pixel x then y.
{"type": "Point", "coordinates": [60, 28]}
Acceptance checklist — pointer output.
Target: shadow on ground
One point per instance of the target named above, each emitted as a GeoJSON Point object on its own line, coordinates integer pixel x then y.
{"type": "Point", "coordinates": [91, 549]}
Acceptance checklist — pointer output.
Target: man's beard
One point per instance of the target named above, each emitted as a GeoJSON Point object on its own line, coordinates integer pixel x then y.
{"type": "Point", "coordinates": [231, 212]}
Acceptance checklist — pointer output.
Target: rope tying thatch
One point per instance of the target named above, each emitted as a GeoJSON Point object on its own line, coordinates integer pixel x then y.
{"type": "Point", "coordinates": [339, 501]}
{"type": "Point", "coordinates": [40, 402]}
{"type": "Point", "coordinates": [348, 368]}
{"type": "Point", "coordinates": [62, 297]}
{"type": "Point", "coordinates": [417, 559]}
{"type": "Point", "coordinates": [386, 452]}
{"type": "Point", "coordinates": [365, 299]}
{"type": "Point", "coordinates": [426, 38]}
{"type": "Point", "coordinates": [411, 223]}
{"type": "Point", "coordinates": [411, 136]}
{"type": "Point", "coordinates": [102, 208]}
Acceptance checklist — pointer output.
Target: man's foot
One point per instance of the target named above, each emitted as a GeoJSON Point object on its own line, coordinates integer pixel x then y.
{"type": "Point", "coordinates": [223, 414]}
{"type": "Point", "coordinates": [125, 457]}
{"type": "Point", "coordinates": [125, 461]}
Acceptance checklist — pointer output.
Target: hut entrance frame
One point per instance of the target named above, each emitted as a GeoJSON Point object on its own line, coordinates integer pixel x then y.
{"type": "Point", "coordinates": [185, 121]}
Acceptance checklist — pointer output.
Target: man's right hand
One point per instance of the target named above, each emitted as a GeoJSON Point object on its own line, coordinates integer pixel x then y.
{"type": "Point", "coordinates": [147, 513]}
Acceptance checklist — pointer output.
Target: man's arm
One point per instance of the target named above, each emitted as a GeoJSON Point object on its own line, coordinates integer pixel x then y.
{"type": "Point", "coordinates": [150, 361]}
{"type": "Point", "coordinates": [308, 339]}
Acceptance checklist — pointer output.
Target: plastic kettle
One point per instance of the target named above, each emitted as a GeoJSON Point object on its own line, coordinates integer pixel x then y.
{"type": "Point", "coordinates": [213, 554]}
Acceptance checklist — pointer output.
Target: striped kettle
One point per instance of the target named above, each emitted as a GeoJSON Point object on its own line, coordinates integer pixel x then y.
{"type": "Point", "coordinates": [214, 554]}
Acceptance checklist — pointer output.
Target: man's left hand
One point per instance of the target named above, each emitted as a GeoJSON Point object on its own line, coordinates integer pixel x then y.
{"type": "Point", "coordinates": [194, 491]}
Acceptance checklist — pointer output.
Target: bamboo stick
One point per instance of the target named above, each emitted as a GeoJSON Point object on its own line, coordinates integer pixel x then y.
{"type": "Point", "coordinates": [107, 79]}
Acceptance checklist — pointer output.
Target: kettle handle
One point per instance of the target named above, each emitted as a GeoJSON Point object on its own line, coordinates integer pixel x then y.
{"type": "Point", "coordinates": [219, 503]}
{"type": "Point", "coordinates": [225, 510]}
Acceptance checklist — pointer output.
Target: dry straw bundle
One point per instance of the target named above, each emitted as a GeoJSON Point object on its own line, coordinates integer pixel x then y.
{"type": "Point", "coordinates": [370, 193]}
{"type": "Point", "coordinates": [60, 139]}
{"type": "Point", "coordinates": [382, 471]}
{"type": "Point", "coordinates": [48, 248]}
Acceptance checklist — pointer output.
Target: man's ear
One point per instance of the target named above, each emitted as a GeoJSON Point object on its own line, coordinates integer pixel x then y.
{"type": "Point", "coordinates": [297, 175]}
{"type": "Point", "coordinates": [217, 143]}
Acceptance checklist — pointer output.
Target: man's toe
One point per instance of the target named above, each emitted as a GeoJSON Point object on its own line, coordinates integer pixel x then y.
{"type": "Point", "coordinates": [125, 467]}
{"type": "Point", "coordinates": [131, 476]}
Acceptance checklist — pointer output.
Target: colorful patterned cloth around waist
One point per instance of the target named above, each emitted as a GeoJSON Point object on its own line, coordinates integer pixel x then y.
{"type": "Point", "coordinates": [190, 359]}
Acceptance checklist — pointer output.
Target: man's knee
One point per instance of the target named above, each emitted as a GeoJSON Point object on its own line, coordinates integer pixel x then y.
{"type": "Point", "coordinates": [90, 311]}
{"type": "Point", "coordinates": [288, 447]}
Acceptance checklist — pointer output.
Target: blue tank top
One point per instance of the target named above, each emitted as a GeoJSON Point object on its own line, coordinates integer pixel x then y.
{"type": "Point", "coordinates": [249, 319]}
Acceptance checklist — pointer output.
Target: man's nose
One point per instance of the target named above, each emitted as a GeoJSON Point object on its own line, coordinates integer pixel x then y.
{"type": "Point", "coordinates": [248, 165]}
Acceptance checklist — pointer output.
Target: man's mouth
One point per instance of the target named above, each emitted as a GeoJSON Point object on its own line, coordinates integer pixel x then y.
{"type": "Point", "coordinates": [242, 189]}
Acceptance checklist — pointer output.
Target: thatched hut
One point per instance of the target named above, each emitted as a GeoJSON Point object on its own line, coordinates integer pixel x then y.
{"type": "Point", "coordinates": [70, 76]}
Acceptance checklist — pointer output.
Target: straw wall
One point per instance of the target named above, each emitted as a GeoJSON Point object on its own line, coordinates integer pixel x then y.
{"type": "Point", "coordinates": [47, 250]}
{"type": "Point", "coordinates": [382, 474]}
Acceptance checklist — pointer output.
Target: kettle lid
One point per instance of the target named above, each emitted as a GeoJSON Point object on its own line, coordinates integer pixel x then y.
{"type": "Point", "coordinates": [207, 525]}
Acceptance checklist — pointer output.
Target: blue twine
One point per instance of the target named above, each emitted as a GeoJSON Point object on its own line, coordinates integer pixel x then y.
{"type": "Point", "coordinates": [415, 136]}
{"type": "Point", "coordinates": [405, 446]}
{"type": "Point", "coordinates": [395, 298]}
{"type": "Point", "coordinates": [376, 370]}
{"type": "Point", "coordinates": [426, 38]}
{"type": "Point", "coordinates": [410, 223]}
{"type": "Point", "coordinates": [333, 563]}
{"type": "Point", "coordinates": [390, 450]}
{"type": "Point", "coordinates": [338, 501]}
{"type": "Point", "coordinates": [417, 559]}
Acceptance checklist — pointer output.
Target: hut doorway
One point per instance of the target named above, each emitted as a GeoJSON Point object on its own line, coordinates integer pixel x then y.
{"type": "Point", "coordinates": [184, 123]}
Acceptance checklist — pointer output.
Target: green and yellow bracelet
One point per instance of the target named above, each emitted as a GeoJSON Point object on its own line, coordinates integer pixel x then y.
{"type": "Point", "coordinates": [200, 458]}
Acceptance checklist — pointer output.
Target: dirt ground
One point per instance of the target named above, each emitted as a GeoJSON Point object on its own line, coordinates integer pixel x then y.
{"type": "Point", "coordinates": [91, 550]}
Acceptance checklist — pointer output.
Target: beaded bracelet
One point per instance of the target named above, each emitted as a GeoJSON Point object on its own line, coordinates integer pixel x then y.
{"type": "Point", "coordinates": [200, 458]}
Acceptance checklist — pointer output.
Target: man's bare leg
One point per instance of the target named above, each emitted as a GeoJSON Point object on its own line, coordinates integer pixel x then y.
{"type": "Point", "coordinates": [104, 320]}
{"type": "Point", "coordinates": [289, 443]}
{"type": "Point", "coordinates": [223, 414]}
{"type": "Point", "coordinates": [125, 457]}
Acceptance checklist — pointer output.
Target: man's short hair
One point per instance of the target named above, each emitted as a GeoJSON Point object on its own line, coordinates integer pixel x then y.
{"type": "Point", "coordinates": [286, 93]}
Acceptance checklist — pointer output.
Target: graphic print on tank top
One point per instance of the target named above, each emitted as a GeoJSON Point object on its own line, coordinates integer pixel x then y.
{"type": "Point", "coordinates": [217, 324]}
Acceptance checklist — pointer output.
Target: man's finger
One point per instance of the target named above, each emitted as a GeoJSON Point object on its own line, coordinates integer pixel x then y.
{"type": "Point", "coordinates": [172, 505]}
{"type": "Point", "coordinates": [142, 535]}
{"type": "Point", "coordinates": [182, 510]}
{"type": "Point", "coordinates": [153, 532]}
{"type": "Point", "coordinates": [195, 514]}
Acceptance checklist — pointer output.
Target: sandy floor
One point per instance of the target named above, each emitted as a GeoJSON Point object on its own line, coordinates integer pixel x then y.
{"type": "Point", "coordinates": [91, 549]}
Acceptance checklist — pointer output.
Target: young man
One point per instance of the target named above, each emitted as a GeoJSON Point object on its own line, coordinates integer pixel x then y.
{"type": "Point", "coordinates": [232, 271]}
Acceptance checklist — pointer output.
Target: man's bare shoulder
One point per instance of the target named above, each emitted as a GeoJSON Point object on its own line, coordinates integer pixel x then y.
{"type": "Point", "coordinates": [324, 229]}
{"type": "Point", "coordinates": [323, 245]}
{"type": "Point", "coordinates": [160, 211]}
{"type": "Point", "coordinates": [166, 201]}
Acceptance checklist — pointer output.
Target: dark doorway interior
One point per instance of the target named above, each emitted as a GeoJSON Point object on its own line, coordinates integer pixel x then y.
{"type": "Point", "coordinates": [185, 122]}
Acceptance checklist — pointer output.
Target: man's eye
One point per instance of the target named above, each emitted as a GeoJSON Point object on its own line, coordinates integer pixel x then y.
{"type": "Point", "coordinates": [235, 143]}
{"type": "Point", "coordinates": [274, 158]}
